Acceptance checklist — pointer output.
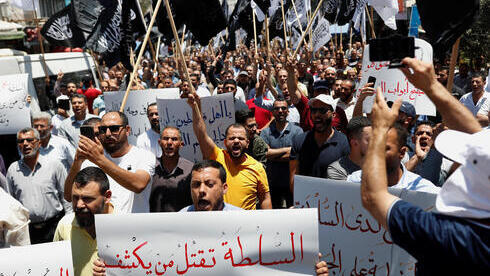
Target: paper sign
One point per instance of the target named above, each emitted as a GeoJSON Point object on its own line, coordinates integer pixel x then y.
{"type": "Point", "coordinates": [228, 243]}
{"type": "Point", "coordinates": [136, 105]}
{"type": "Point", "coordinates": [14, 110]}
{"type": "Point", "coordinates": [218, 113]}
{"type": "Point", "coordinates": [46, 259]}
{"type": "Point", "coordinates": [351, 240]}
{"type": "Point", "coordinates": [393, 82]}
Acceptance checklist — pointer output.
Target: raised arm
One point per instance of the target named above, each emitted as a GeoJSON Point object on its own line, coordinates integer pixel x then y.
{"type": "Point", "coordinates": [206, 144]}
{"type": "Point", "coordinates": [366, 91]}
{"type": "Point", "coordinates": [294, 93]}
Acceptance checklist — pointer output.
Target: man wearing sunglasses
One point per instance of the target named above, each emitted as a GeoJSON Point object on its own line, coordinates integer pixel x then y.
{"type": "Point", "coordinates": [37, 182]}
{"type": "Point", "coordinates": [129, 168]}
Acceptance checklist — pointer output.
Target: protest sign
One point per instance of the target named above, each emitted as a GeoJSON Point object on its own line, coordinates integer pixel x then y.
{"type": "Point", "coordinates": [351, 240]}
{"type": "Point", "coordinates": [135, 109]}
{"type": "Point", "coordinates": [217, 111]}
{"type": "Point", "coordinates": [47, 259]}
{"type": "Point", "coordinates": [321, 33]}
{"type": "Point", "coordinates": [393, 82]}
{"type": "Point", "coordinates": [266, 242]}
{"type": "Point", "coordinates": [14, 110]}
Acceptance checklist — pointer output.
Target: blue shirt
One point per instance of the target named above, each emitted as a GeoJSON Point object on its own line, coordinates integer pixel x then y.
{"type": "Point", "coordinates": [430, 167]}
{"type": "Point", "coordinates": [227, 207]}
{"type": "Point", "coordinates": [442, 245]}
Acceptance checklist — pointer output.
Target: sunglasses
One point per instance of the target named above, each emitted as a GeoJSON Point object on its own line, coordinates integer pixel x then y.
{"type": "Point", "coordinates": [30, 140]}
{"type": "Point", "coordinates": [322, 110]}
{"type": "Point", "coordinates": [280, 108]}
{"type": "Point", "coordinates": [113, 128]}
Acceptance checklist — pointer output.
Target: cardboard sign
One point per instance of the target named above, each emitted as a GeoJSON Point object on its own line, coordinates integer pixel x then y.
{"type": "Point", "coordinates": [136, 105]}
{"type": "Point", "coordinates": [228, 243]}
{"type": "Point", "coordinates": [393, 82]}
{"type": "Point", "coordinates": [351, 240]}
{"type": "Point", "coordinates": [14, 109]}
{"type": "Point", "coordinates": [47, 259]}
{"type": "Point", "coordinates": [218, 113]}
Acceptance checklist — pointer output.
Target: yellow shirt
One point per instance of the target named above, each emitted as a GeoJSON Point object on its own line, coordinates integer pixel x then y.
{"type": "Point", "coordinates": [246, 181]}
{"type": "Point", "coordinates": [83, 247]}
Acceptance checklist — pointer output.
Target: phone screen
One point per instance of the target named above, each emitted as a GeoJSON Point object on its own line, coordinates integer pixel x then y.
{"type": "Point", "coordinates": [88, 132]}
{"type": "Point", "coordinates": [390, 49]}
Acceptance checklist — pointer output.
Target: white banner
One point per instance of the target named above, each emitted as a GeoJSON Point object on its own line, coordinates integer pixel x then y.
{"type": "Point", "coordinates": [321, 33]}
{"type": "Point", "coordinates": [14, 110]}
{"type": "Point", "coordinates": [272, 242]}
{"type": "Point", "coordinates": [393, 82]}
{"type": "Point", "coordinates": [136, 105]}
{"type": "Point", "coordinates": [218, 113]}
{"type": "Point", "coordinates": [353, 242]}
{"type": "Point", "coordinates": [46, 259]}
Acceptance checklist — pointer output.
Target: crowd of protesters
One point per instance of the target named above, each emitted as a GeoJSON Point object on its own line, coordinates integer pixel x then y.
{"type": "Point", "coordinates": [294, 116]}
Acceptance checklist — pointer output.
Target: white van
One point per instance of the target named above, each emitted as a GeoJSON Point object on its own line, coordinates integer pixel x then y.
{"type": "Point", "coordinates": [73, 65]}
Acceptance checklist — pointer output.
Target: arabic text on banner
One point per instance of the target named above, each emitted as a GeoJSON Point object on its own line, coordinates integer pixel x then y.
{"type": "Point", "coordinates": [14, 110]}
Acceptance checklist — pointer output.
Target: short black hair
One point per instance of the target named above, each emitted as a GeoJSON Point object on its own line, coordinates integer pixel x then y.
{"type": "Point", "coordinates": [123, 116]}
{"type": "Point", "coordinates": [477, 75]}
{"type": "Point", "coordinates": [426, 122]}
{"type": "Point", "coordinates": [94, 174]}
{"type": "Point", "coordinates": [148, 108]}
{"type": "Point", "coordinates": [211, 164]}
{"type": "Point", "coordinates": [280, 98]}
{"type": "Point", "coordinates": [230, 81]}
{"type": "Point", "coordinates": [78, 96]}
{"type": "Point", "coordinates": [92, 121]}
{"type": "Point", "coordinates": [235, 125]}
{"type": "Point", "coordinates": [401, 133]}
{"type": "Point", "coordinates": [242, 115]}
{"type": "Point", "coordinates": [356, 125]}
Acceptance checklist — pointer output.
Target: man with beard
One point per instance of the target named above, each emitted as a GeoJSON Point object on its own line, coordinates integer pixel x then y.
{"type": "Point", "coordinates": [90, 196]}
{"type": "Point", "coordinates": [246, 177]}
{"type": "Point", "coordinates": [70, 127]}
{"type": "Point", "coordinates": [169, 185]}
{"type": "Point", "coordinates": [52, 146]}
{"type": "Point", "coordinates": [358, 133]}
{"type": "Point", "coordinates": [279, 136]}
{"type": "Point", "coordinates": [243, 80]}
{"type": "Point", "coordinates": [314, 150]}
{"type": "Point", "coordinates": [37, 183]}
{"type": "Point", "coordinates": [148, 140]}
{"type": "Point", "coordinates": [257, 148]}
{"type": "Point", "coordinates": [129, 168]}
{"type": "Point", "coordinates": [347, 100]}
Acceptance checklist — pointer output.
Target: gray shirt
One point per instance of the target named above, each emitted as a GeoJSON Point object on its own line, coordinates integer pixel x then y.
{"type": "Point", "coordinates": [39, 190]}
{"type": "Point", "coordinates": [60, 149]}
{"type": "Point", "coordinates": [70, 129]}
{"type": "Point", "coordinates": [340, 169]}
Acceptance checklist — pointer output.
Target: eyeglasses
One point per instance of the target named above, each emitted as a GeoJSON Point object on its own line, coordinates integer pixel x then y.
{"type": "Point", "coordinates": [251, 125]}
{"type": "Point", "coordinates": [280, 108]}
{"type": "Point", "coordinates": [113, 128]}
{"type": "Point", "coordinates": [322, 110]}
{"type": "Point", "coordinates": [30, 140]}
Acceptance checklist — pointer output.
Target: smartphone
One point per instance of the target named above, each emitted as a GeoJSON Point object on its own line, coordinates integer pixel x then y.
{"type": "Point", "coordinates": [88, 132]}
{"type": "Point", "coordinates": [394, 48]}
{"type": "Point", "coordinates": [372, 80]}
{"type": "Point", "coordinates": [64, 104]}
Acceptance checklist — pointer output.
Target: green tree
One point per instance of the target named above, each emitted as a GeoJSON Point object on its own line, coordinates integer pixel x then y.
{"type": "Point", "coordinates": [476, 41]}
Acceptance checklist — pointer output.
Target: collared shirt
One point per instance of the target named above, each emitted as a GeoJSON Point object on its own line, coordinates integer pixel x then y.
{"type": "Point", "coordinates": [14, 221]}
{"type": "Point", "coordinates": [39, 190]}
{"type": "Point", "coordinates": [126, 201]}
{"type": "Point", "coordinates": [60, 149]}
{"type": "Point", "coordinates": [293, 115]}
{"type": "Point", "coordinates": [314, 159]}
{"type": "Point", "coordinates": [70, 128]}
{"type": "Point", "coordinates": [408, 181]}
{"type": "Point", "coordinates": [226, 207]}
{"type": "Point", "coordinates": [348, 107]}
{"type": "Point", "coordinates": [247, 181]}
{"type": "Point", "coordinates": [170, 191]}
{"type": "Point", "coordinates": [340, 169]}
{"type": "Point", "coordinates": [148, 140]}
{"type": "Point", "coordinates": [482, 105]}
{"type": "Point", "coordinates": [278, 172]}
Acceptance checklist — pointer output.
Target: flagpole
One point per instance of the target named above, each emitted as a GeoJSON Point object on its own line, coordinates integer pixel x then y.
{"type": "Point", "coordinates": [308, 27]}
{"type": "Point", "coordinates": [96, 65]}
{"type": "Point", "coordinates": [311, 32]}
{"type": "Point", "coordinates": [41, 43]}
{"type": "Point", "coordinates": [267, 36]}
{"type": "Point", "coordinates": [140, 54]}
{"type": "Point", "coordinates": [297, 18]}
{"type": "Point", "coordinates": [452, 65]}
{"type": "Point", "coordinates": [158, 53]}
{"type": "Point", "coordinates": [152, 49]}
{"type": "Point", "coordinates": [370, 22]}
{"type": "Point", "coordinates": [341, 47]}
{"type": "Point", "coordinates": [284, 26]}
{"type": "Point", "coordinates": [350, 37]}
{"type": "Point", "coordinates": [183, 35]}
{"type": "Point", "coordinates": [255, 31]}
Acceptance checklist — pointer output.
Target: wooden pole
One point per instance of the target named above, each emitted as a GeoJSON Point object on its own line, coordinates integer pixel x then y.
{"type": "Point", "coordinates": [183, 35]}
{"type": "Point", "coordinates": [158, 53]}
{"type": "Point", "coordinates": [311, 31]}
{"type": "Point", "coordinates": [140, 54]}
{"type": "Point", "coordinates": [341, 47]}
{"type": "Point", "coordinates": [96, 65]}
{"type": "Point", "coordinates": [284, 26]}
{"type": "Point", "coordinates": [308, 27]}
{"type": "Point", "coordinates": [267, 36]}
{"type": "Point", "coordinates": [255, 31]}
{"type": "Point", "coordinates": [373, 35]}
{"type": "Point", "coordinates": [298, 20]}
{"type": "Point", "coordinates": [41, 43]}
{"type": "Point", "coordinates": [452, 65]}
{"type": "Point", "coordinates": [350, 37]}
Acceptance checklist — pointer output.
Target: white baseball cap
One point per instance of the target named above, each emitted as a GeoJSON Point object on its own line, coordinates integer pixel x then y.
{"type": "Point", "coordinates": [466, 193]}
{"type": "Point", "coordinates": [326, 99]}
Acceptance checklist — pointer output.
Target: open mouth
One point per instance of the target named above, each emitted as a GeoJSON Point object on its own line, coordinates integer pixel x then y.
{"type": "Point", "coordinates": [202, 204]}
{"type": "Point", "coordinates": [236, 150]}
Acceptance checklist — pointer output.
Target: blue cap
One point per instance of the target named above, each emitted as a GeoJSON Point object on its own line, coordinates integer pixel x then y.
{"type": "Point", "coordinates": [408, 109]}
{"type": "Point", "coordinates": [320, 84]}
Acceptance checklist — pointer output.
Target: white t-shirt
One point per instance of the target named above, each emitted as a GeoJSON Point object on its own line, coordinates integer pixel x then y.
{"type": "Point", "coordinates": [124, 200]}
{"type": "Point", "coordinates": [148, 140]}
{"type": "Point", "coordinates": [481, 107]}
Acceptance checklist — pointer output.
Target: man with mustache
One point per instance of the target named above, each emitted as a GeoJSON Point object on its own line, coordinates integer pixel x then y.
{"type": "Point", "coordinates": [37, 183]}
{"type": "Point", "coordinates": [90, 196]}
{"type": "Point", "coordinates": [129, 168]}
{"type": "Point", "coordinates": [148, 140]}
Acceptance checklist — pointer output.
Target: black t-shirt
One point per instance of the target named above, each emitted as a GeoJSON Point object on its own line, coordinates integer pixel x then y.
{"type": "Point", "coordinates": [314, 159]}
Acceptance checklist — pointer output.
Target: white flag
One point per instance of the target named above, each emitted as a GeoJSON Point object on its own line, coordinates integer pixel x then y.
{"type": "Point", "coordinates": [387, 9]}
{"type": "Point", "coordinates": [321, 33]}
{"type": "Point", "coordinates": [258, 12]}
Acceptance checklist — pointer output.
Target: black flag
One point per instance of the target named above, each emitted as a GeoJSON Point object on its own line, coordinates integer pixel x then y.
{"type": "Point", "coordinates": [86, 13]}
{"type": "Point", "coordinates": [205, 19]}
{"type": "Point", "coordinates": [276, 26]}
{"type": "Point", "coordinates": [445, 27]}
{"type": "Point", "coordinates": [331, 9]}
{"type": "Point", "coordinates": [346, 11]}
{"type": "Point", "coordinates": [61, 30]}
{"type": "Point", "coordinates": [178, 8]}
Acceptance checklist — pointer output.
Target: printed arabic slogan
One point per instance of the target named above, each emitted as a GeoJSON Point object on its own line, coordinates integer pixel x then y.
{"type": "Point", "coordinates": [135, 109]}
{"type": "Point", "coordinates": [47, 259]}
{"type": "Point", "coordinates": [351, 240]}
{"type": "Point", "coordinates": [394, 84]}
{"type": "Point", "coordinates": [227, 243]}
{"type": "Point", "coordinates": [217, 111]}
{"type": "Point", "coordinates": [14, 110]}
